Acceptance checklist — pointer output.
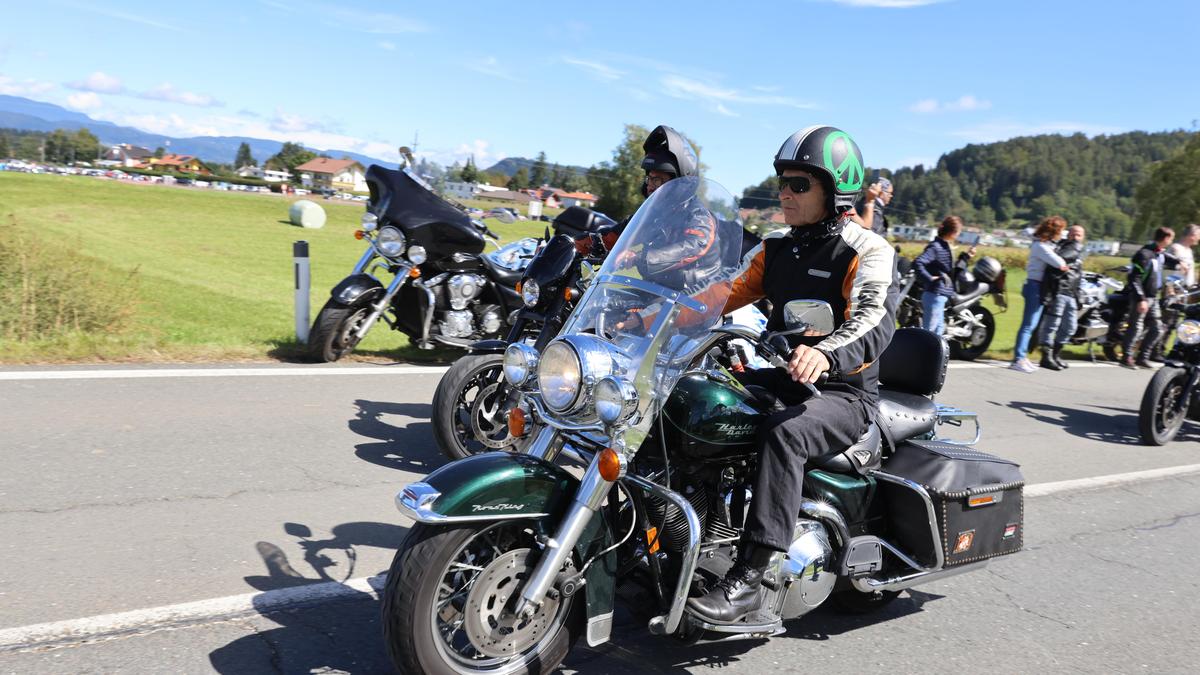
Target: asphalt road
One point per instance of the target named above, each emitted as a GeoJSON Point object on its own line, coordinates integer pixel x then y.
{"type": "Point", "coordinates": [131, 493]}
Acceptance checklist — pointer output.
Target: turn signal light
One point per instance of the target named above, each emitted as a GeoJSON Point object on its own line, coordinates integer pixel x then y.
{"type": "Point", "coordinates": [610, 465]}
{"type": "Point", "coordinates": [519, 284]}
{"type": "Point", "coordinates": [414, 272]}
{"type": "Point", "coordinates": [983, 500]}
{"type": "Point", "coordinates": [570, 294]}
{"type": "Point", "coordinates": [359, 234]}
{"type": "Point", "coordinates": [516, 422]}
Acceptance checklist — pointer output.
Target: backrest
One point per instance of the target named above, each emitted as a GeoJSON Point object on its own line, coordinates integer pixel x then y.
{"type": "Point", "coordinates": [914, 363]}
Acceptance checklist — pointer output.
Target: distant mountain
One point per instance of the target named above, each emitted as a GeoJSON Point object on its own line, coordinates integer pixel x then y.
{"type": "Point", "coordinates": [29, 115]}
{"type": "Point", "coordinates": [510, 165]}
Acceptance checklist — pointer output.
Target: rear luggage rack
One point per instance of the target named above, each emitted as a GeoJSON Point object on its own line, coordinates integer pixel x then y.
{"type": "Point", "coordinates": [948, 414]}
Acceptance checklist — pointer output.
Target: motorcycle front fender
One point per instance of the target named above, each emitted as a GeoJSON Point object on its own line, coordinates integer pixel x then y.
{"type": "Point", "coordinates": [357, 288]}
{"type": "Point", "coordinates": [502, 486]}
{"type": "Point", "coordinates": [488, 347]}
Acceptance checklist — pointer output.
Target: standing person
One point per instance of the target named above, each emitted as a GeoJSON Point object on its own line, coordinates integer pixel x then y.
{"type": "Point", "coordinates": [1060, 291]}
{"type": "Point", "coordinates": [1041, 256]}
{"type": "Point", "coordinates": [1185, 261]}
{"type": "Point", "coordinates": [870, 211]}
{"type": "Point", "coordinates": [1144, 283]}
{"type": "Point", "coordinates": [935, 267]}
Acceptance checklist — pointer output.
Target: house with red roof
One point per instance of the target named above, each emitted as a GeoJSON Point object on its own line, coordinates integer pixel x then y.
{"type": "Point", "coordinates": [343, 175]}
{"type": "Point", "coordinates": [585, 199]}
{"type": "Point", "coordinates": [178, 163]}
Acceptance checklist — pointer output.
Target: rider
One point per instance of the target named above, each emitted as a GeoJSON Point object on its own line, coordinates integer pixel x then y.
{"type": "Point", "coordinates": [1142, 287]}
{"type": "Point", "coordinates": [825, 256]}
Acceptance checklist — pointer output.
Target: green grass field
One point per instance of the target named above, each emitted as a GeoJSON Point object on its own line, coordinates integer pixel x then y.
{"type": "Point", "coordinates": [213, 269]}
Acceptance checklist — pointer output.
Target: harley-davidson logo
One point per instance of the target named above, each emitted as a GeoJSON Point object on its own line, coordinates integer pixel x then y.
{"type": "Point", "coordinates": [495, 507]}
{"type": "Point", "coordinates": [735, 429]}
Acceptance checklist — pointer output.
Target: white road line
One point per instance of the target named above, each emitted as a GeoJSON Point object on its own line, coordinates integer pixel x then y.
{"type": "Point", "coordinates": [124, 624]}
{"type": "Point", "coordinates": [116, 374]}
{"type": "Point", "coordinates": [975, 365]}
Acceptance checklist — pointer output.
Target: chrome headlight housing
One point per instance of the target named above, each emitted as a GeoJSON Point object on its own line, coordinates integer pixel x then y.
{"type": "Point", "coordinates": [530, 292]}
{"type": "Point", "coordinates": [520, 363]}
{"type": "Point", "coordinates": [1189, 332]}
{"type": "Point", "coordinates": [369, 222]}
{"type": "Point", "coordinates": [569, 368]}
{"type": "Point", "coordinates": [616, 400]}
{"type": "Point", "coordinates": [390, 241]}
{"type": "Point", "coordinates": [416, 254]}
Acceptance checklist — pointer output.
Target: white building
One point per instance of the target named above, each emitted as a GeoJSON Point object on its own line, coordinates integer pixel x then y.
{"type": "Point", "coordinates": [1102, 247]}
{"type": "Point", "coordinates": [913, 232]}
{"type": "Point", "coordinates": [269, 175]}
{"type": "Point", "coordinates": [463, 190]}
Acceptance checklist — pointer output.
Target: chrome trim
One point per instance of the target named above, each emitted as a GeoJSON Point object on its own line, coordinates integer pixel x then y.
{"type": "Point", "coordinates": [667, 623]}
{"type": "Point", "coordinates": [542, 412]}
{"type": "Point", "coordinates": [546, 444]}
{"type": "Point", "coordinates": [930, 513]}
{"type": "Point", "coordinates": [365, 260]}
{"type": "Point", "coordinates": [899, 583]}
{"type": "Point", "coordinates": [628, 395]}
{"type": "Point", "coordinates": [379, 307]}
{"type": "Point", "coordinates": [678, 297]}
{"type": "Point", "coordinates": [416, 500]}
{"type": "Point", "coordinates": [428, 323]}
{"type": "Point", "coordinates": [826, 513]}
{"type": "Point", "coordinates": [767, 629]}
{"type": "Point", "coordinates": [948, 414]}
{"type": "Point", "coordinates": [599, 629]}
{"type": "Point", "coordinates": [531, 362]}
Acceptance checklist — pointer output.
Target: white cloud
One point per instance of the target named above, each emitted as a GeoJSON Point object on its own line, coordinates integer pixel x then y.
{"type": "Point", "coordinates": [491, 67]}
{"type": "Point", "coordinates": [99, 82]}
{"type": "Point", "coordinates": [386, 45]}
{"type": "Point", "coordinates": [999, 131]}
{"type": "Point", "coordinates": [86, 100]}
{"type": "Point", "coordinates": [27, 87]}
{"type": "Point", "coordinates": [600, 71]}
{"type": "Point", "coordinates": [292, 123]}
{"type": "Point", "coordinates": [681, 87]}
{"type": "Point", "coordinates": [167, 92]}
{"type": "Point", "coordinates": [965, 103]}
{"type": "Point", "coordinates": [890, 4]}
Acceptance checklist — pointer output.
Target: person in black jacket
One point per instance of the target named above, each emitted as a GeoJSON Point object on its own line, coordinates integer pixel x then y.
{"type": "Point", "coordinates": [1060, 297]}
{"type": "Point", "coordinates": [825, 256]}
{"type": "Point", "coordinates": [935, 268]}
{"type": "Point", "coordinates": [1142, 287]}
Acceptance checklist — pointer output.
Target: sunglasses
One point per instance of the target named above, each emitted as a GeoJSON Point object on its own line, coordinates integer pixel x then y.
{"type": "Point", "coordinates": [798, 184]}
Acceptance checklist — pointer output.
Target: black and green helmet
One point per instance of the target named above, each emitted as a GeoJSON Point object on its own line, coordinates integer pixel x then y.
{"type": "Point", "coordinates": [830, 154]}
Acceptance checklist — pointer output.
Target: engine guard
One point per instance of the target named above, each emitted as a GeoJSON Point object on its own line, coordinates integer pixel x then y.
{"type": "Point", "coordinates": [504, 486]}
{"type": "Point", "coordinates": [357, 288]}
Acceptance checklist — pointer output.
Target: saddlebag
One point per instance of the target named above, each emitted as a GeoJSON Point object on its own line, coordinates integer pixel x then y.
{"type": "Point", "coordinates": [977, 500]}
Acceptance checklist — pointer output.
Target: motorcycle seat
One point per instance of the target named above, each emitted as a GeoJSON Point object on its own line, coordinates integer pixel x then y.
{"type": "Point", "coordinates": [864, 456]}
{"type": "Point", "coordinates": [500, 274]}
{"type": "Point", "coordinates": [906, 415]}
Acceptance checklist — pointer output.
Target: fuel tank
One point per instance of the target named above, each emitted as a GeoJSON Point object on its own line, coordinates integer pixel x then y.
{"type": "Point", "coordinates": [707, 419]}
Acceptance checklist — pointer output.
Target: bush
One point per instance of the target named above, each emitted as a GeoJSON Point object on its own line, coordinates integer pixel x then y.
{"type": "Point", "coordinates": [49, 291]}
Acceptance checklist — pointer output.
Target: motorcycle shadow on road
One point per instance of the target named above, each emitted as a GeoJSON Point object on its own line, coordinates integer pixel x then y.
{"type": "Point", "coordinates": [407, 448]}
{"type": "Point", "coordinates": [1114, 425]}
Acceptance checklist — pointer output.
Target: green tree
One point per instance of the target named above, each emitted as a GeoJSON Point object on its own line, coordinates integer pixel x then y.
{"type": "Point", "coordinates": [539, 174]}
{"type": "Point", "coordinates": [290, 156]}
{"type": "Point", "coordinates": [29, 147]}
{"type": "Point", "coordinates": [87, 146]}
{"type": "Point", "coordinates": [558, 175]}
{"type": "Point", "coordinates": [59, 148]}
{"type": "Point", "coordinates": [519, 180]}
{"type": "Point", "coordinates": [244, 158]}
{"type": "Point", "coordinates": [5, 147]}
{"type": "Point", "coordinates": [454, 173]}
{"type": "Point", "coordinates": [470, 173]}
{"type": "Point", "coordinates": [619, 182]}
{"type": "Point", "coordinates": [1170, 195]}
{"type": "Point", "coordinates": [159, 152]}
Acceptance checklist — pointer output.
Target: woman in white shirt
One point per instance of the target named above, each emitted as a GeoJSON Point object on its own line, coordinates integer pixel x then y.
{"type": "Point", "coordinates": [1041, 256]}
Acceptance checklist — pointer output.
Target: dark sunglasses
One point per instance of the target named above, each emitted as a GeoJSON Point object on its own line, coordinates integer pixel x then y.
{"type": "Point", "coordinates": [798, 184]}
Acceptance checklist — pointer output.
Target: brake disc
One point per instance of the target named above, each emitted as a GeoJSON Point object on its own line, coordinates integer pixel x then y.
{"type": "Point", "coordinates": [491, 626]}
{"type": "Point", "coordinates": [486, 409]}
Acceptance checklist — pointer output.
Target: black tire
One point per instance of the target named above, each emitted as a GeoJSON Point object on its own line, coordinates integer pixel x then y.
{"type": "Point", "coordinates": [329, 339]}
{"type": "Point", "coordinates": [413, 583]}
{"type": "Point", "coordinates": [980, 339]}
{"type": "Point", "coordinates": [456, 400]}
{"type": "Point", "coordinates": [1155, 421]}
{"type": "Point", "coordinates": [853, 601]}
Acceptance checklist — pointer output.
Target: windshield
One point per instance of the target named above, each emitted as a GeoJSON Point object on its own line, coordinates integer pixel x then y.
{"type": "Point", "coordinates": [663, 287]}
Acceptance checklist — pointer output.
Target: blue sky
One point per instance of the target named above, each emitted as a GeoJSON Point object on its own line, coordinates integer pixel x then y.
{"type": "Point", "coordinates": [909, 79]}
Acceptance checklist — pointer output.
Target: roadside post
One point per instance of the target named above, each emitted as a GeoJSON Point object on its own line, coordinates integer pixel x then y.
{"type": "Point", "coordinates": [300, 266]}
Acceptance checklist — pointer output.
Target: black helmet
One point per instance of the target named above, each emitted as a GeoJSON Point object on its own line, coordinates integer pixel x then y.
{"type": "Point", "coordinates": [830, 154]}
{"type": "Point", "coordinates": [668, 151]}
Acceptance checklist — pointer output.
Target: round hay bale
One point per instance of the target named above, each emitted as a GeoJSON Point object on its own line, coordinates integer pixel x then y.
{"type": "Point", "coordinates": [307, 214]}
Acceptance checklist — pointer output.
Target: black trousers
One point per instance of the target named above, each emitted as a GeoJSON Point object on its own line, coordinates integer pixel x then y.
{"type": "Point", "coordinates": [810, 427]}
{"type": "Point", "coordinates": [1150, 320]}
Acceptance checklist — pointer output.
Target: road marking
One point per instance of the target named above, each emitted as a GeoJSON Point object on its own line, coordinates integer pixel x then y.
{"type": "Point", "coordinates": [974, 365]}
{"type": "Point", "coordinates": [127, 624]}
{"type": "Point", "coordinates": [314, 371]}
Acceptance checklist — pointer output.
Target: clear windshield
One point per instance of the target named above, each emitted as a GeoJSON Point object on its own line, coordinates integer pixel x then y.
{"type": "Point", "coordinates": [664, 285]}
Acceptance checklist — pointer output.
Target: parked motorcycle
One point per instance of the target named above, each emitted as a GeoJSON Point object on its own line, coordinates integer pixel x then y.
{"type": "Point", "coordinates": [1116, 313]}
{"type": "Point", "coordinates": [513, 557]}
{"type": "Point", "coordinates": [970, 326]}
{"type": "Point", "coordinates": [1093, 313]}
{"type": "Point", "coordinates": [443, 289]}
{"type": "Point", "coordinates": [1170, 397]}
{"type": "Point", "coordinates": [470, 403]}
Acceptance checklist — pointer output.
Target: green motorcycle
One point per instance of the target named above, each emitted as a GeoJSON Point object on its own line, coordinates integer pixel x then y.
{"type": "Point", "coordinates": [513, 557]}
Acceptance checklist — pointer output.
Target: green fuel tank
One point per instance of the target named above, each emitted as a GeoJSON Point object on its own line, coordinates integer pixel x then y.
{"type": "Point", "coordinates": [708, 418]}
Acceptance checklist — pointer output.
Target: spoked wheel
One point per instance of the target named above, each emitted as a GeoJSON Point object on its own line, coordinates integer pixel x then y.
{"type": "Point", "coordinates": [332, 335]}
{"type": "Point", "coordinates": [469, 416]}
{"type": "Point", "coordinates": [973, 346]}
{"type": "Point", "coordinates": [449, 599]}
{"type": "Point", "coordinates": [1158, 421]}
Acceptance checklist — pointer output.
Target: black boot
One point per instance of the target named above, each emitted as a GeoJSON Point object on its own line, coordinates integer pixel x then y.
{"type": "Point", "coordinates": [1057, 356]}
{"type": "Point", "coordinates": [739, 593]}
{"type": "Point", "coordinates": [1048, 361]}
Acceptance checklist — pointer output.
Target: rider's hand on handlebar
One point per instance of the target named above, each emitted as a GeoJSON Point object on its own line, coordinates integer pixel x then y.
{"type": "Point", "coordinates": [807, 364]}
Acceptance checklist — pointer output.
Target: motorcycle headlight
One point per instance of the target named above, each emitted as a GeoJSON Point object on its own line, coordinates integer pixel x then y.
{"type": "Point", "coordinates": [559, 376]}
{"type": "Point", "coordinates": [1189, 332]}
{"type": "Point", "coordinates": [616, 400]}
{"type": "Point", "coordinates": [520, 363]}
{"type": "Point", "coordinates": [530, 292]}
{"type": "Point", "coordinates": [416, 254]}
{"type": "Point", "coordinates": [369, 222]}
{"type": "Point", "coordinates": [390, 241]}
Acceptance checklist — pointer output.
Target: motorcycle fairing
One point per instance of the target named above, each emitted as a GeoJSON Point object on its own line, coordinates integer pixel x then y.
{"type": "Point", "coordinates": [357, 287]}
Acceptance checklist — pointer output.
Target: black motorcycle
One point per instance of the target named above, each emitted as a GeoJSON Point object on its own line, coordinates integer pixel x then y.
{"type": "Point", "coordinates": [1116, 313]}
{"type": "Point", "coordinates": [443, 290]}
{"type": "Point", "coordinates": [970, 326]}
{"type": "Point", "coordinates": [1171, 397]}
{"type": "Point", "coordinates": [1093, 313]}
{"type": "Point", "coordinates": [470, 403]}
{"type": "Point", "coordinates": [513, 557]}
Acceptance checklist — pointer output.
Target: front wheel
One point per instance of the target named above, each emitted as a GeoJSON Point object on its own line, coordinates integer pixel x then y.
{"type": "Point", "coordinates": [332, 335]}
{"type": "Point", "coordinates": [447, 606]}
{"type": "Point", "coordinates": [1158, 420]}
{"type": "Point", "coordinates": [468, 407]}
{"type": "Point", "coordinates": [974, 345]}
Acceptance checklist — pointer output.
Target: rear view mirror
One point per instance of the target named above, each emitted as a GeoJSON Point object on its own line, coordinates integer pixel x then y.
{"type": "Point", "coordinates": [808, 317]}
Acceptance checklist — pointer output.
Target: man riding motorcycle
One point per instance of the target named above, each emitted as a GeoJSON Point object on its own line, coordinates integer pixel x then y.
{"type": "Point", "coordinates": [826, 257]}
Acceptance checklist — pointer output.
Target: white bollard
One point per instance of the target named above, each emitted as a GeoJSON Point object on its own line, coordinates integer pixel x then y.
{"type": "Point", "coordinates": [300, 264]}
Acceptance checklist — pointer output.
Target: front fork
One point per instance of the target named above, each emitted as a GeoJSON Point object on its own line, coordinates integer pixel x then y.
{"type": "Point", "coordinates": [378, 308]}
{"type": "Point", "coordinates": [1185, 396]}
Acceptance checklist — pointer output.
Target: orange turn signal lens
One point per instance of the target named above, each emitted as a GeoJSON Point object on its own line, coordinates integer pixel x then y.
{"type": "Point", "coordinates": [414, 272]}
{"type": "Point", "coordinates": [652, 539]}
{"type": "Point", "coordinates": [570, 294]}
{"type": "Point", "coordinates": [359, 234]}
{"type": "Point", "coordinates": [516, 422]}
{"type": "Point", "coordinates": [610, 464]}
{"type": "Point", "coordinates": [519, 284]}
{"type": "Point", "coordinates": [981, 501]}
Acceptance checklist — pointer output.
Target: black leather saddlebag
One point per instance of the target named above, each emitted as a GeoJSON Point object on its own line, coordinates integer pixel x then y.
{"type": "Point", "coordinates": [977, 500]}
